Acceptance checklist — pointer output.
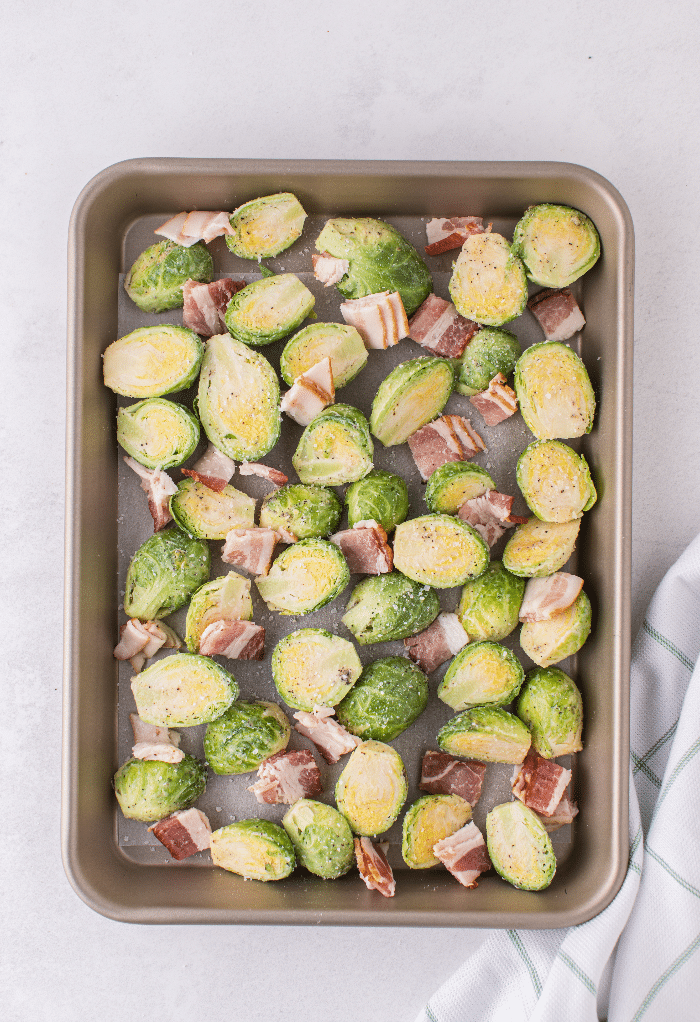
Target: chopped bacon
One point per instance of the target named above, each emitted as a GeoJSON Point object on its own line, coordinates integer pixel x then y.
{"type": "Point", "coordinates": [164, 752]}
{"type": "Point", "coordinates": [496, 403]}
{"type": "Point", "coordinates": [563, 814]}
{"type": "Point", "coordinates": [442, 774]}
{"type": "Point", "coordinates": [250, 549]}
{"type": "Point", "coordinates": [540, 783]}
{"type": "Point", "coordinates": [205, 304]}
{"type": "Point", "coordinates": [464, 854]}
{"type": "Point", "coordinates": [287, 777]}
{"type": "Point", "coordinates": [558, 313]}
{"type": "Point", "coordinates": [144, 732]}
{"type": "Point", "coordinates": [365, 548]}
{"type": "Point", "coordinates": [490, 515]}
{"type": "Point", "coordinates": [184, 833]}
{"type": "Point", "coordinates": [328, 269]}
{"type": "Point", "coordinates": [437, 326]}
{"type": "Point", "coordinates": [172, 230]}
{"type": "Point", "coordinates": [285, 536]}
{"type": "Point", "coordinates": [380, 319]}
{"type": "Point", "coordinates": [133, 636]}
{"type": "Point", "coordinates": [445, 233]}
{"type": "Point", "coordinates": [237, 640]}
{"type": "Point", "coordinates": [545, 597]}
{"type": "Point", "coordinates": [139, 641]}
{"type": "Point", "coordinates": [255, 468]}
{"type": "Point", "coordinates": [187, 229]}
{"type": "Point", "coordinates": [374, 867]}
{"type": "Point", "coordinates": [159, 488]}
{"type": "Point", "coordinates": [437, 643]}
{"type": "Point", "coordinates": [310, 393]}
{"type": "Point", "coordinates": [213, 469]}
{"type": "Point", "coordinates": [328, 735]}
{"type": "Point", "coordinates": [449, 438]}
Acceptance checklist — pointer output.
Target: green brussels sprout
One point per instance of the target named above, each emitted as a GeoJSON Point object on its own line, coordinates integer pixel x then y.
{"type": "Point", "coordinates": [152, 361]}
{"type": "Point", "coordinates": [226, 598]}
{"type": "Point", "coordinates": [163, 574]}
{"type": "Point", "coordinates": [255, 849]}
{"type": "Point", "coordinates": [551, 706]}
{"type": "Point", "coordinates": [147, 789]}
{"type": "Point", "coordinates": [264, 227]}
{"type": "Point", "coordinates": [322, 838]}
{"type": "Point", "coordinates": [381, 496]}
{"type": "Point", "coordinates": [304, 511]}
{"type": "Point", "coordinates": [268, 309]}
{"type": "Point", "coordinates": [245, 735]}
{"type": "Point", "coordinates": [519, 847]}
{"type": "Point", "coordinates": [409, 397]}
{"type": "Point", "coordinates": [341, 343]}
{"type": "Point", "coordinates": [490, 604]}
{"type": "Point", "coordinates": [554, 392]}
{"type": "Point", "coordinates": [158, 433]}
{"type": "Point", "coordinates": [548, 642]}
{"type": "Point", "coordinates": [312, 667]}
{"type": "Point", "coordinates": [238, 399]}
{"type": "Point", "coordinates": [183, 690]}
{"type": "Point", "coordinates": [555, 481]}
{"type": "Point", "coordinates": [305, 577]}
{"type": "Point", "coordinates": [486, 733]}
{"type": "Point", "coordinates": [537, 549]}
{"type": "Point", "coordinates": [391, 606]}
{"type": "Point", "coordinates": [210, 514]}
{"type": "Point", "coordinates": [439, 550]}
{"type": "Point", "coordinates": [389, 695]}
{"type": "Point", "coordinates": [483, 673]}
{"type": "Point", "coordinates": [372, 788]}
{"type": "Point", "coordinates": [429, 820]}
{"type": "Point", "coordinates": [155, 280]}
{"type": "Point", "coordinates": [380, 260]}
{"type": "Point", "coordinates": [335, 447]}
{"type": "Point", "coordinates": [488, 282]}
{"type": "Point", "coordinates": [490, 351]}
{"type": "Point", "coordinates": [558, 244]}
{"type": "Point", "coordinates": [453, 483]}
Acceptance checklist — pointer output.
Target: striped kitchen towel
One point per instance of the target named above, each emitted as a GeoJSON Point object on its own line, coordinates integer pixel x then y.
{"type": "Point", "coordinates": [643, 950]}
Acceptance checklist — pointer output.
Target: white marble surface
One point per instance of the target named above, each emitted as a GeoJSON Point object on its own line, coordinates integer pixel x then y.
{"type": "Point", "coordinates": [610, 85]}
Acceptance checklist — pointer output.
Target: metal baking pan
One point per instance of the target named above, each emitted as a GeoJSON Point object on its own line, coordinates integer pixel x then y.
{"type": "Point", "coordinates": [114, 864]}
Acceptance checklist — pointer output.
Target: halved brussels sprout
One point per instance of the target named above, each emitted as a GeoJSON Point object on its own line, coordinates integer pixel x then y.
{"type": "Point", "coordinates": [163, 574]}
{"type": "Point", "coordinates": [551, 706]}
{"type": "Point", "coordinates": [409, 397]}
{"type": "Point", "coordinates": [226, 598]}
{"type": "Point", "coordinates": [238, 399]}
{"type": "Point", "coordinates": [380, 260]}
{"type": "Point", "coordinates": [264, 227]}
{"type": "Point", "coordinates": [322, 838]}
{"type": "Point", "coordinates": [429, 820]}
{"type": "Point", "coordinates": [489, 352]}
{"type": "Point", "coordinates": [210, 514]}
{"type": "Point", "coordinates": [555, 481]}
{"type": "Point", "coordinates": [155, 280]}
{"type": "Point", "coordinates": [255, 849]}
{"type": "Point", "coordinates": [305, 577]}
{"type": "Point", "coordinates": [453, 483]}
{"type": "Point", "coordinates": [152, 361]}
{"type": "Point", "coordinates": [245, 735]}
{"type": "Point", "coordinates": [381, 496]}
{"type": "Point", "coordinates": [519, 847]}
{"type": "Point", "coordinates": [548, 642]}
{"type": "Point", "coordinates": [490, 604]}
{"type": "Point", "coordinates": [554, 392]}
{"type": "Point", "coordinates": [537, 549]}
{"type": "Point", "coordinates": [268, 309]}
{"type": "Point", "coordinates": [312, 667]}
{"type": "Point", "coordinates": [389, 695]}
{"type": "Point", "coordinates": [487, 733]}
{"type": "Point", "coordinates": [488, 283]}
{"type": "Point", "coordinates": [372, 788]}
{"type": "Point", "coordinates": [439, 550]}
{"type": "Point", "coordinates": [342, 344]}
{"type": "Point", "coordinates": [148, 789]}
{"type": "Point", "coordinates": [183, 690]}
{"type": "Point", "coordinates": [558, 244]}
{"type": "Point", "coordinates": [158, 433]}
{"type": "Point", "coordinates": [483, 673]}
{"type": "Point", "coordinates": [335, 447]}
{"type": "Point", "coordinates": [391, 606]}
{"type": "Point", "coordinates": [304, 511]}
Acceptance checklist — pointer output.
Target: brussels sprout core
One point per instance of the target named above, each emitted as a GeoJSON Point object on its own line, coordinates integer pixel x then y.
{"type": "Point", "coordinates": [342, 344]}
{"type": "Point", "coordinates": [439, 550]}
{"type": "Point", "coordinates": [558, 244]}
{"type": "Point", "coordinates": [548, 642]}
{"type": "Point", "coordinates": [555, 481]}
{"type": "Point", "coordinates": [183, 690]}
{"type": "Point", "coordinates": [311, 667]}
{"type": "Point", "coordinates": [255, 849]}
{"type": "Point", "coordinates": [537, 549]}
{"type": "Point", "coordinates": [488, 283]}
{"type": "Point", "coordinates": [268, 309]}
{"type": "Point", "coordinates": [152, 361]}
{"type": "Point", "coordinates": [519, 847]}
{"type": "Point", "coordinates": [158, 433]}
{"type": "Point", "coordinates": [372, 788]}
{"type": "Point", "coordinates": [481, 673]}
{"type": "Point", "coordinates": [554, 392]}
{"type": "Point", "coordinates": [305, 577]}
{"type": "Point", "coordinates": [409, 397]}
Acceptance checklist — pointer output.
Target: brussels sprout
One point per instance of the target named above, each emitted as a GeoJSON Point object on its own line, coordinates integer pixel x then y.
{"type": "Point", "coordinates": [489, 352]}
{"type": "Point", "coordinates": [334, 448]}
{"type": "Point", "coordinates": [519, 847]}
{"type": "Point", "coordinates": [380, 260]}
{"type": "Point", "coordinates": [304, 511]}
{"type": "Point", "coordinates": [429, 820]}
{"type": "Point", "coordinates": [312, 667]}
{"type": "Point", "coordinates": [268, 309]}
{"type": "Point", "coordinates": [555, 481]}
{"type": "Point", "coordinates": [155, 280]}
{"type": "Point", "coordinates": [210, 514]}
{"type": "Point", "coordinates": [381, 496]}
{"type": "Point", "coordinates": [390, 694]}
{"type": "Point", "coordinates": [305, 577]}
{"type": "Point", "coordinates": [264, 227]}
{"type": "Point", "coordinates": [548, 642]}
{"type": "Point", "coordinates": [551, 706]}
{"type": "Point", "coordinates": [558, 244]}
{"type": "Point", "coordinates": [163, 574]}
{"type": "Point", "coordinates": [409, 397]}
{"type": "Point", "coordinates": [487, 733]}
{"type": "Point", "coordinates": [453, 483]}
{"type": "Point", "coordinates": [158, 433]}
{"type": "Point", "coordinates": [342, 344]}
{"type": "Point", "coordinates": [244, 735]}
{"type": "Point", "coordinates": [152, 361]}
{"type": "Point", "coordinates": [439, 550]}
{"type": "Point", "coordinates": [481, 673]}
{"type": "Point", "coordinates": [372, 788]}
{"type": "Point", "coordinates": [391, 606]}
{"type": "Point", "coordinates": [238, 399]}
{"type": "Point", "coordinates": [226, 598]}
{"type": "Point", "coordinates": [183, 690]}
{"type": "Point", "coordinates": [147, 789]}
{"type": "Point", "coordinates": [554, 392]}
{"type": "Point", "coordinates": [255, 849]}
{"type": "Point", "coordinates": [489, 605]}
{"type": "Point", "coordinates": [537, 549]}
{"type": "Point", "coordinates": [322, 838]}
{"type": "Point", "coordinates": [488, 283]}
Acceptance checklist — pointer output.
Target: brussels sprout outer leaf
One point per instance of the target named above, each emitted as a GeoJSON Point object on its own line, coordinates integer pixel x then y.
{"type": "Point", "coordinates": [163, 574]}
{"type": "Point", "coordinates": [391, 606]}
{"type": "Point", "coordinates": [381, 496]}
{"type": "Point", "coordinates": [550, 705]}
{"type": "Point", "coordinates": [322, 838]}
{"type": "Point", "coordinates": [155, 279]}
{"type": "Point", "coordinates": [489, 605]}
{"type": "Point", "coordinates": [245, 735]}
{"type": "Point", "coordinates": [491, 351]}
{"type": "Point", "coordinates": [149, 790]}
{"type": "Point", "coordinates": [304, 511]}
{"type": "Point", "coordinates": [388, 696]}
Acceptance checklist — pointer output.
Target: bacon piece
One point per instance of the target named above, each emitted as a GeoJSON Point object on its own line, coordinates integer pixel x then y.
{"type": "Point", "coordinates": [540, 783]}
{"type": "Point", "coordinates": [490, 515]}
{"type": "Point", "coordinates": [159, 488]}
{"type": "Point", "coordinates": [205, 304]}
{"type": "Point", "coordinates": [328, 735]}
{"type": "Point", "coordinates": [365, 548]}
{"type": "Point", "coordinates": [449, 438]}
{"type": "Point", "coordinates": [255, 468]}
{"type": "Point", "coordinates": [437, 643]}
{"type": "Point", "coordinates": [496, 403]}
{"type": "Point", "coordinates": [287, 777]}
{"type": "Point", "coordinates": [144, 732]}
{"type": "Point", "coordinates": [445, 233]}
{"type": "Point", "coordinates": [545, 597]}
{"type": "Point", "coordinates": [437, 326]}
{"type": "Point", "coordinates": [310, 393]}
{"type": "Point", "coordinates": [328, 269]}
{"type": "Point", "coordinates": [562, 815]}
{"type": "Point", "coordinates": [187, 229]}
{"type": "Point", "coordinates": [380, 319]}
{"type": "Point", "coordinates": [172, 230]}
{"type": "Point", "coordinates": [214, 469]}
{"type": "Point", "coordinates": [464, 854]}
{"type": "Point", "coordinates": [139, 641]}
{"type": "Point", "coordinates": [466, 434]}
{"type": "Point", "coordinates": [374, 867]}
{"type": "Point", "coordinates": [286, 537]}
{"type": "Point", "coordinates": [558, 314]}
{"type": "Point", "coordinates": [237, 640]}
{"type": "Point", "coordinates": [164, 752]}
{"type": "Point", "coordinates": [442, 774]}
{"type": "Point", "coordinates": [133, 636]}
{"type": "Point", "coordinates": [250, 549]}
{"type": "Point", "coordinates": [184, 833]}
